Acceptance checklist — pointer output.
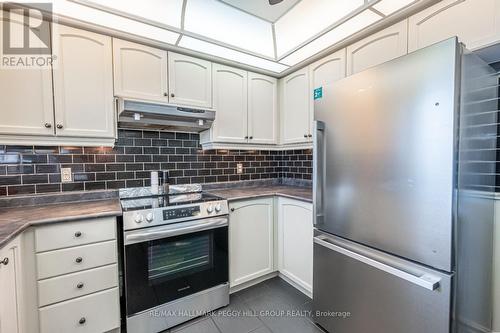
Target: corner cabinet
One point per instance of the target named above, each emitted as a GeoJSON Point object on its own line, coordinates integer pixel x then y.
{"type": "Point", "coordinates": [296, 113]}
{"type": "Point", "coordinates": [251, 240]}
{"type": "Point", "coordinates": [190, 80]}
{"type": "Point", "coordinates": [295, 242]}
{"type": "Point", "coordinates": [10, 286]}
{"type": "Point", "coordinates": [378, 48]}
{"type": "Point", "coordinates": [475, 22]}
{"type": "Point", "coordinates": [140, 72]}
{"type": "Point", "coordinates": [83, 84]}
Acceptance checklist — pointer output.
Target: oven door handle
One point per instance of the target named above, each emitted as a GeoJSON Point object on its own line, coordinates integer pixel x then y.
{"type": "Point", "coordinates": [176, 229]}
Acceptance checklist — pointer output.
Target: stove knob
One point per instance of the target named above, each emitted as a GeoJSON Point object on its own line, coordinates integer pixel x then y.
{"type": "Point", "coordinates": [210, 209]}
{"type": "Point", "coordinates": [139, 218]}
{"type": "Point", "coordinates": [150, 217]}
{"type": "Point", "coordinates": [218, 207]}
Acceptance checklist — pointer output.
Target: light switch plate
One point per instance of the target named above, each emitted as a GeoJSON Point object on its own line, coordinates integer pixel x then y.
{"type": "Point", "coordinates": [66, 175]}
{"type": "Point", "coordinates": [239, 168]}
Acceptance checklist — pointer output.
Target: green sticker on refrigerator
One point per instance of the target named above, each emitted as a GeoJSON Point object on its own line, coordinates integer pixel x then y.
{"type": "Point", "coordinates": [318, 93]}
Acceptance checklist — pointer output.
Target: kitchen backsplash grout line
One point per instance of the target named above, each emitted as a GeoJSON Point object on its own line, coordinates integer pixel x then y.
{"type": "Point", "coordinates": [34, 169]}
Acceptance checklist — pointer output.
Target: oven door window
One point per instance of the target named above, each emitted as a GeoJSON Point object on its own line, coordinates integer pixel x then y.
{"type": "Point", "coordinates": [160, 271]}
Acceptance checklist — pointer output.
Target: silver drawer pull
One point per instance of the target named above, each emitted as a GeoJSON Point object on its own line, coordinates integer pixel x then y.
{"type": "Point", "coordinates": [79, 260]}
{"type": "Point", "coordinates": [79, 285]}
{"type": "Point", "coordinates": [82, 321]}
{"type": "Point", "coordinates": [424, 280]}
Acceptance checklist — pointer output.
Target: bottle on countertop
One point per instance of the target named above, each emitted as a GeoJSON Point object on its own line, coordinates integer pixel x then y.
{"type": "Point", "coordinates": [164, 182]}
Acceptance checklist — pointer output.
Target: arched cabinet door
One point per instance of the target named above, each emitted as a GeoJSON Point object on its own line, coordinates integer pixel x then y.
{"type": "Point", "coordinates": [83, 84]}
{"type": "Point", "coordinates": [475, 22]}
{"type": "Point", "coordinates": [295, 242]}
{"type": "Point", "coordinates": [295, 111]}
{"type": "Point", "coordinates": [140, 72]}
{"type": "Point", "coordinates": [262, 109]}
{"type": "Point", "coordinates": [190, 80]}
{"type": "Point", "coordinates": [251, 240]}
{"type": "Point", "coordinates": [230, 103]}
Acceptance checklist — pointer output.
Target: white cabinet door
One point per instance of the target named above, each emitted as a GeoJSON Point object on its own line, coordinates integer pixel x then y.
{"type": "Point", "coordinates": [251, 234]}
{"type": "Point", "coordinates": [323, 72]}
{"type": "Point", "coordinates": [295, 108]}
{"type": "Point", "coordinates": [230, 103]}
{"type": "Point", "coordinates": [9, 286]}
{"type": "Point", "coordinates": [295, 241]}
{"type": "Point", "coordinates": [378, 48]}
{"type": "Point", "coordinates": [475, 22]}
{"type": "Point", "coordinates": [190, 80]}
{"type": "Point", "coordinates": [262, 109]}
{"type": "Point", "coordinates": [83, 84]}
{"type": "Point", "coordinates": [26, 100]}
{"type": "Point", "coordinates": [140, 72]}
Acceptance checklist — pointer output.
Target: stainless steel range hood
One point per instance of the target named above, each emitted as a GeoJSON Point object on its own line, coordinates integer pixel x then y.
{"type": "Point", "coordinates": [146, 115]}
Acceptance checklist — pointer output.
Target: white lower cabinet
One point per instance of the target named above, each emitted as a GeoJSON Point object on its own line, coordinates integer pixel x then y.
{"type": "Point", "coordinates": [295, 242]}
{"type": "Point", "coordinates": [251, 240]}
{"type": "Point", "coordinates": [10, 276]}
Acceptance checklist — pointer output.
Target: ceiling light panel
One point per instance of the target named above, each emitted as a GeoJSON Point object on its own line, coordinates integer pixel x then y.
{"type": "Point", "coordinates": [309, 18]}
{"type": "Point", "coordinates": [334, 36]}
{"type": "Point", "coordinates": [157, 11]}
{"type": "Point", "coordinates": [221, 22]}
{"type": "Point", "coordinates": [105, 19]}
{"type": "Point", "coordinates": [388, 7]}
{"type": "Point", "coordinates": [229, 54]}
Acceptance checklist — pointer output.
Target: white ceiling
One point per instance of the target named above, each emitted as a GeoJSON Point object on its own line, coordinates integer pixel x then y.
{"type": "Point", "coordinates": [250, 32]}
{"type": "Point", "coordinates": [262, 9]}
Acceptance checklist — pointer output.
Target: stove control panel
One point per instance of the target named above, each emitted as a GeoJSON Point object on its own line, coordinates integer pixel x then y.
{"type": "Point", "coordinates": [171, 214]}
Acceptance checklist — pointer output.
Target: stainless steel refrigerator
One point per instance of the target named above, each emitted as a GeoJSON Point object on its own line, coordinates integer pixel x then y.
{"type": "Point", "coordinates": [403, 207]}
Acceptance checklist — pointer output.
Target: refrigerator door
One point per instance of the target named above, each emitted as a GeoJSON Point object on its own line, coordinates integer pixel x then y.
{"type": "Point", "coordinates": [359, 290]}
{"type": "Point", "coordinates": [385, 156]}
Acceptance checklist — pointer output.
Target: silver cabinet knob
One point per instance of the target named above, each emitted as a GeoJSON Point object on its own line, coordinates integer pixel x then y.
{"type": "Point", "coordinates": [251, 138]}
{"type": "Point", "coordinates": [82, 321]}
{"type": "Point", "coordinates": [48, 125]}
{"type": "Point", "coordinates": [305, 135]}
{"type": "Point", "coordinates": [79, 260]}
{"type": "Point", "coordinates": [165, 94]}
{"type": "Point", "coordinates": [246, 137]}
{"type": "Point", "coordinates": [310, 135]}
{"type": "Point", "coordinates": [5, 261]}
{"type": "Point", "coordinates": [79, 285]}
{"type": "Point", "coordinates": [232, 209]}
{"type": "Point", "coordinates": [59, 126]}
{"type": "Point", "coordinates": [172, 95]}
{"type": "Point", "coordinates": [78, 234]}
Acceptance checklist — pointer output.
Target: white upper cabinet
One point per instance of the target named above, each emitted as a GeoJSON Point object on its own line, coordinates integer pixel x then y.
{"type": "Point", "coordinates": [190, 80]}
{"type": "Point", "coordinates": [295, 242]}
{"type": "Point", "coordinates": [323, 72]}
{"type": "Point", "coordinates": [251, 240]}
{"type": "Point", "coordinates": [475, 22]}
{"type": "Point", "coordinates": [83, 84]}
{"type": "Point", "coordinates": [230, 102]}
{"type": "Point", "coordinates": [378, 48]}
{"type": "Point", "coordinates": [140, 72]}
{"type": "Point", "coordinates": [26, 102]}
{"type": "Point", "coordinates": [262, 109]}
{"type": "Point", "coordinates": [295, 124]}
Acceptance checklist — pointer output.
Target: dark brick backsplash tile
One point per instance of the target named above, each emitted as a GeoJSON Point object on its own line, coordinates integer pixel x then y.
{"type": "Point", "coordinates": [28, 169]}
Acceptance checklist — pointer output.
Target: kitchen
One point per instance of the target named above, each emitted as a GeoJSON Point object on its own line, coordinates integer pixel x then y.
{"type": "Point", "coordinates": [249, 166]}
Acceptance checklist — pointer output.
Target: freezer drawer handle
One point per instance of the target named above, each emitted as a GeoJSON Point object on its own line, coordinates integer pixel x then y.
{"type": "Point", "coordinates": [427, 281]}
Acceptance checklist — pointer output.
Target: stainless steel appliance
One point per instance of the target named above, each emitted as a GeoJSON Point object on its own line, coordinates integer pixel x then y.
{"type": "Point", "coordinates": [403, 216]}
{"type": "Point", "coordinates": [175, 256]}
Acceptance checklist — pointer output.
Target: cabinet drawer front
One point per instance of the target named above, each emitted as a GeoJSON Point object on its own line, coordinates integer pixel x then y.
{"type": "Point", "coordinates": [69, 286]}
{"type": "Point", "coordinates": [75, 259]}
{"type": "Point", "coordinates": [58, 236]}
{"type": "Point", "coordinates": [98, 313]}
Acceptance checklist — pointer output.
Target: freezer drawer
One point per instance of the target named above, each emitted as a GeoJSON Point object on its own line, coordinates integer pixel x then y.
{"type": "Point", "coordinates": [359, 290]}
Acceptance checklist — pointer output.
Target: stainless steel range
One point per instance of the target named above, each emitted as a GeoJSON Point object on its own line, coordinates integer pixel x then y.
{"type": "Point", "coordinates": [175, 256]}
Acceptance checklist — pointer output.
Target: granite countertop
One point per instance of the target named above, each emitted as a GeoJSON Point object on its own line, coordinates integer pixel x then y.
{"type": "Point", "coordinates": [16, 219]}
{"type": "Point", "coordinates": [237, 193]}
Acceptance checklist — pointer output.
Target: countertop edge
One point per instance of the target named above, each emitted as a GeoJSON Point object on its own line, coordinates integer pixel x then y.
{"type": "Point", "coordinates": [277, 194]}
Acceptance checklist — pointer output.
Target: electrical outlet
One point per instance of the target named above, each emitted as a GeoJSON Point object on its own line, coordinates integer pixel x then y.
{"type": "Point", "coordinates": [66, 175]}
{"type": "Point", "coordinates": [239, 168]}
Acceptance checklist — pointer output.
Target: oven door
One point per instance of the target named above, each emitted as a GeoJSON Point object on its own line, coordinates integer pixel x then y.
{"type": "Point", "coordinates": [166, 263]}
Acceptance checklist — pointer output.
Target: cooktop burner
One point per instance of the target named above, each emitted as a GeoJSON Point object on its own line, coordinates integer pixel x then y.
{"type": "Point", "coordinates": [165, 201]}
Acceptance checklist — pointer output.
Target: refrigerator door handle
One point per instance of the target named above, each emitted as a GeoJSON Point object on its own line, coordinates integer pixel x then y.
{"type": "Point", "coordinates": [318, 172]}
{"type": "Point", "coordinates": [423, 279]}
